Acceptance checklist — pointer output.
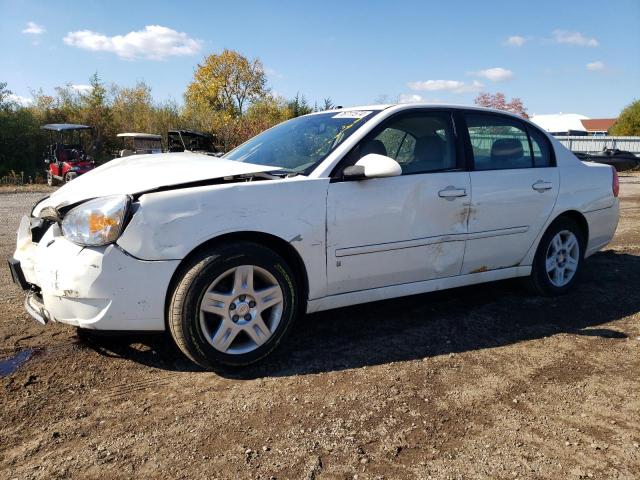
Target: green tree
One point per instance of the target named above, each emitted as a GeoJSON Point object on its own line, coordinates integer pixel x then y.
{"type": "Point", "coordinates": [19, 136]}
{"type": "Point", "coordinates": [96, 112]}
{"type": "Point", "coordinates": [5, 95]}
{"type": "Point", "coordinates": [327, 104]}
{"type": "Point", "coordinates": [227, 82]}
{"type": "Point", "coordinates": [628, 123]}
{"type": "Point", "coordinates": [299, 105]}
{"type": "Point", "coordinates": [133, 108]}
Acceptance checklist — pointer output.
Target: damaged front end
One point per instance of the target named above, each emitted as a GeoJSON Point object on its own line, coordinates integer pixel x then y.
{"type": "Point", "coordinates": [83, 285]}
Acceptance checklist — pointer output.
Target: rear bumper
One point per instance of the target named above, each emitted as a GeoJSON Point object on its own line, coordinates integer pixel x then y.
{"type": "Point", "coordinates": [100, 288]}
{"type": "Point", "coordinates": [602, 227]}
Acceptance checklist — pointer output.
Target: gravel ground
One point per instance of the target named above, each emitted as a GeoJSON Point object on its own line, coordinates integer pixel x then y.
{"type": "Point", "coordinates": [477, 382]}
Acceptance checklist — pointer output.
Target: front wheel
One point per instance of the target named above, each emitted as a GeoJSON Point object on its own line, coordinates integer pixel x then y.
{"type": "Point", "coordinates": [558, 259]}
{"type": "Point", "coordinates": [233, 305]}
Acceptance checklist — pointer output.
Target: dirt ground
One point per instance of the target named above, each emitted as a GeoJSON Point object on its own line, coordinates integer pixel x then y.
{"type": "Point", "coordinates": [477, 382]}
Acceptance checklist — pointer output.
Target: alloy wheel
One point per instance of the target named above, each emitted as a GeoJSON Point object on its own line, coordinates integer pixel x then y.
{"type": "Point", "coordinates": [241, 309]}
{"type": "Point", "coordinates": [563, 255]}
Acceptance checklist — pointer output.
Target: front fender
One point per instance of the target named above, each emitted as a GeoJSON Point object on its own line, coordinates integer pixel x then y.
{"type": "Point", "coordinates": [169, 225]}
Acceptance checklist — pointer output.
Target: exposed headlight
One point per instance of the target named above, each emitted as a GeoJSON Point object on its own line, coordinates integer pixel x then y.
{"type": "Point", "coordinates": [96, 222]}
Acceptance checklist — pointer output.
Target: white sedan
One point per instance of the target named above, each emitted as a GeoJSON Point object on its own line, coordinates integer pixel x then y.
{"type": "Point", "coordinates": [327, 210]}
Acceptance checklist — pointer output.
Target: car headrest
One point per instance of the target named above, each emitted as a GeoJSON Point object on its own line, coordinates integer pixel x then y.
{"type": "Point", "coordinates": [506, 148]}
{"type": "Point", "coordinates": [373, 146]}
{"type": "Point", "coordinates": [429, 148]}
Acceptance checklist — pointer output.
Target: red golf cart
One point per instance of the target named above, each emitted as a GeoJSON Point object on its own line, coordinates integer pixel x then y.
{"type": "Point", "coordinates": [65, 157]}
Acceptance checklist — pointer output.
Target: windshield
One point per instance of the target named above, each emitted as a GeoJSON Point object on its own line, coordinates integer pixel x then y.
{"type": "Point", "coordinates": [192, 141]}
{"type": "Point", "coordinates": [298, 144]}
{"type": "Point", "coordinates": [147, 143]}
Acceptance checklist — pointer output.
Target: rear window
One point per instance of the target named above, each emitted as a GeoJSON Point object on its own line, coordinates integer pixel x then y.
{"type": "Point", "coordinates": [499, 143]}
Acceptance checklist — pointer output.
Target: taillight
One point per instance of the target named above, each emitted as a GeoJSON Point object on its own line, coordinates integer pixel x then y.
{"type": "Point", "coordinates": [615, 184]}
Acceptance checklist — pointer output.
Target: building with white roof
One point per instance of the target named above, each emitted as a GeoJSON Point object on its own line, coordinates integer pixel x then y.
{"type": "Point", "coordinates": [561, 123]}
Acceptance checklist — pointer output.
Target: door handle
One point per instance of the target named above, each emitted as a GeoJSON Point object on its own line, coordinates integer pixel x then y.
{"type": "Point", "coordinates": [542, 186]}
{"type": "Point", "coordinates": [452, 192]}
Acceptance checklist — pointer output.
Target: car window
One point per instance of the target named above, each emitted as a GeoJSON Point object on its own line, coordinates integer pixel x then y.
{"type": "Point", "coordinates": [300, 144]}
{"type": "Point", "coordinates": [420, 142]}
{"type": "Point", "coordinates": [498, 142]}
{"type": "Point", "coordinates": [541, 149]}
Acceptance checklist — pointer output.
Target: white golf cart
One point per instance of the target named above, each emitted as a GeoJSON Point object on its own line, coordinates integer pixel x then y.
{"type": "Point", "coordinates": [139, 143]}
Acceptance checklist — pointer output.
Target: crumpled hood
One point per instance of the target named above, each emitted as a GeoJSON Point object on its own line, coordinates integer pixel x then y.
{"type": "Point", "coordinates": [139, 173]}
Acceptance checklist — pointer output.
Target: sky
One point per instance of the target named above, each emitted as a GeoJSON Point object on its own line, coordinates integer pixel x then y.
{"type": "Point", "coordinates": [570, 56]}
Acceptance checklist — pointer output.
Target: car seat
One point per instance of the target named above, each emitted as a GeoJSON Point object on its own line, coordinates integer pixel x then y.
{"type": "Point", "coordinates": [373, 146]}
{"type": "Point", "coordinates": [508, 153]}
{"type": "Point", "coordinates": [428, 155]}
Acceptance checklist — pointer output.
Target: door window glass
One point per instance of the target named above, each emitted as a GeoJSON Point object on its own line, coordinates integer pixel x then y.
{"type": "Point", "coordinates": [498, 142]}
{"type": "Point", "coordinates": [541, 149]}
{"type": "Point", "coordinates": [420, 142]}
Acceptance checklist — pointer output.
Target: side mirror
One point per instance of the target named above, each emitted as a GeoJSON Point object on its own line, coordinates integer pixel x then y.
{"type": "Point", "coordinates": [373, 165]}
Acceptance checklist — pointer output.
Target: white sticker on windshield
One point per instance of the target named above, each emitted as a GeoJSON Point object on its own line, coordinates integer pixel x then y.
{"type": "Point", "coordinates": [352, 114]}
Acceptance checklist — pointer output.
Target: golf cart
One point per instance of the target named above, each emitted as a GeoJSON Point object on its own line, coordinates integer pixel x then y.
{"type": "Point", "coordinates": [189, 140]}
{"type": "Point", "coordinates": [139, 144]}
{"type": "Point", "coordinates": [65, 157]}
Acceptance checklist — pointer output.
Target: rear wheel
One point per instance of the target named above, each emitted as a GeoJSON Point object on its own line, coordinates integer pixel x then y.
{"type": "Point", "coordinates": [233, 305]}
{"type": "Point", "coordinates": [558, 259]}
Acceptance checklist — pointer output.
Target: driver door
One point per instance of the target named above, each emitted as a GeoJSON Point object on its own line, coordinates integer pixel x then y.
{"type": "Point", "coordinates": [409, 228]}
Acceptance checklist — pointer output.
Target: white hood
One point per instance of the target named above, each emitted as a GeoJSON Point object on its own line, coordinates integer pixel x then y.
{"type": "Point", "coordinates": [139, 173]}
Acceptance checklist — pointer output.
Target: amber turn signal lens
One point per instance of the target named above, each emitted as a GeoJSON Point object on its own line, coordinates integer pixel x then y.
{"type": "Point", "coordinates": [98, 222]}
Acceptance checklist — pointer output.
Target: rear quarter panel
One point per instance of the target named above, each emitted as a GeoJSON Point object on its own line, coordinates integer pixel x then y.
{"type": "Point", "coordinates": [585, 188]}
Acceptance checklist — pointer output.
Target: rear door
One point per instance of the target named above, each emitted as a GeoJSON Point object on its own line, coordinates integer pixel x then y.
{"type": "Point", "coordinates": [514, 184]}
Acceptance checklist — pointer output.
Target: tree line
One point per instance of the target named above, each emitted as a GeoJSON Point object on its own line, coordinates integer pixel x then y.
{"type": "Point", "coordinates": [228, 97]}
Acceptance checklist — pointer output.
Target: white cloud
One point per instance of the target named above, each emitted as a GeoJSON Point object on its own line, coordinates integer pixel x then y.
{"type": "Point", "coordinates": [497, 74]}
{"type": "Point", "coordinates": [515, 41]}
{"type": "Point", "coordinates": [270, 72]}
{"type": "Point", "coordinates": [596, 66]}
{"type": "Point", "coordinates": [574, 38]}
{"type": "Point", "coordinates": [414, 98]}
{"type": "Point", "coordinates": [80, 88]}
{"type": "Point", "coordinates": [409, 98]}
{"type": "Point", "coordinates": [33, 28]}
{"type": "Point", "coordinates": [454, 86]}
{"type": "Point", "coordinates": [20, 100]}
{"type": "Point", "coordinates": [434, 85]}
{"type": "Point", "coordinates": [154, 42]}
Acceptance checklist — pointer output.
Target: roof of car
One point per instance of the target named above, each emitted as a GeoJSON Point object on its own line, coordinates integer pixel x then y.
{"type": "Point", "coordinates": [59, 127]}
{"type": "Point", "coordinates": [397, 106]}
{"type": "Point", "coordinates": [150, 136]}
{"type": "Point", "coordinates": [357, 108]}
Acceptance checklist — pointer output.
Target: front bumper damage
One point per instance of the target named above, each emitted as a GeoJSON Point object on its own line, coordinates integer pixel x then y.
{"type": "Point", "coordinates": [101, 288]}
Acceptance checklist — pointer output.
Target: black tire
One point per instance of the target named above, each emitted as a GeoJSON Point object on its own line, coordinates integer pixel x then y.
{"type": "Point", "coordinates": [193, 280]}
{"type": "Point", "coordinates": [539, 282]}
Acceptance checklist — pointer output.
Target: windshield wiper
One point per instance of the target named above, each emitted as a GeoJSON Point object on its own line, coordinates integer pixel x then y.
{"type": "Point", "coordinates": [284, 173]}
